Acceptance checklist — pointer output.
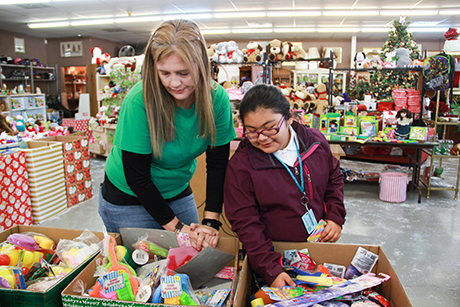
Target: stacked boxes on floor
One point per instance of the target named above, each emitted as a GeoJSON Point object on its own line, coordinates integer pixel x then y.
{"type": "Point", "coordinates": [45, 167]}
{"type": "Point", "coordinates": [76, 167]}
{"type": "Point", "coordinates": [15, 207]}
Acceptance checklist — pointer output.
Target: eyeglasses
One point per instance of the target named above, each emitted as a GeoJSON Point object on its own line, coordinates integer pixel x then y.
{"type": "Point", "coordinates": [267, 132]}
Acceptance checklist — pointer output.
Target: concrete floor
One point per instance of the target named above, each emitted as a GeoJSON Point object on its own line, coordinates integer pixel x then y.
{"type": "Point", "coordinates": [420, 240]}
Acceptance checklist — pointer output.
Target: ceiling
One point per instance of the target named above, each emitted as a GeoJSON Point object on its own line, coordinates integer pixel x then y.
{"type": "Point", "coordinates": [15, 17]}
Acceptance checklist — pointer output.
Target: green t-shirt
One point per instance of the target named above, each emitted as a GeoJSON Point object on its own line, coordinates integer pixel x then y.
{"type": "Point", "coordinates": [172, 173]}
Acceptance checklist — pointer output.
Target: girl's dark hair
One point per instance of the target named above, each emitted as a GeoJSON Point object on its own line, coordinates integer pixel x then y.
{"type": "Point", "coordinates": [265, 96]}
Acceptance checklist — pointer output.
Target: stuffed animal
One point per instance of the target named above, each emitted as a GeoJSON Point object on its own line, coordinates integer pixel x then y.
{"type": "Point", "coordinates": [455, 150]}
{"type": "Point", "coordinates": [360, 60]}
{"type": "Point", "coordinates": [251, 52]}
{"type": "Point", "coordinates": [374, 62]}
{"type": "Point", "coordinates": [293, 52]}
{"type": "Point", "coordinates": [221, 53]}
{"type": "Point", "coordinates": [403, 57]}
{"type": "Point", "coordinates": [275, 49]}
{"type": "Point", "coordinates": [287, 92]}
{"type": "Point", "coordinates": [211, 51]}
{"type": "Point", "coordinates": [452, 43]}
{"type": "Point", "coordinates": [298, 97]}
{"type": "Point", "coordinates": [390, 59]}
{"type": "Point", "coordinates": [416, 64]}
{"type": "Point", "coordinates": [321, 100]}
{"type": "Point", "coordinates": [234, 55]}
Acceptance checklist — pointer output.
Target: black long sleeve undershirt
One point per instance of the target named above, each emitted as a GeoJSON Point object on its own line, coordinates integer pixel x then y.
{"type": "Point", "coordinates": [137, 172]}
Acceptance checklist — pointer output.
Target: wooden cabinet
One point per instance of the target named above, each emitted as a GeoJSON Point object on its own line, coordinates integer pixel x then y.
{"type": "Point", "coordinates": [282, 76]}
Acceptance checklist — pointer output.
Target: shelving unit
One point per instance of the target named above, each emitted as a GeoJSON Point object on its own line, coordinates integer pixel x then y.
{"type": "Point", "coordinates": [27, 105]}
{"type": "Point", "coordinates": [427, 183]}
{"type": "Point", "coordinates": [320, 75]}
{"type": "Point", "coordinates": [30, 77]}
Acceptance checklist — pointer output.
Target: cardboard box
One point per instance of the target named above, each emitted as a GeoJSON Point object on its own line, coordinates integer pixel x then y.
{"type": "Point", "coordinates": [331, 253]}
{"type": "Point", "coordinates": [45, 166]}
{"type": "Point", "coordinates": [72, 299]}
{"type": "Point", "coordinates": [52, 297]}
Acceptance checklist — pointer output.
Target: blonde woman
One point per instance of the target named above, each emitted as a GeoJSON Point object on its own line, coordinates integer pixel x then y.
{"type": "Point", "coordinates": [174, 115]}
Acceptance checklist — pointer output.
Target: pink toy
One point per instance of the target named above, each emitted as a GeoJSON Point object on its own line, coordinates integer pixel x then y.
{"type": "Point", "coordinates": [180, 255]}
{"type": "Point", "coordinates": [23, 241]}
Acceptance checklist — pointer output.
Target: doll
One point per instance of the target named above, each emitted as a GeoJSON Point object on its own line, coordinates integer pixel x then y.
{"type": "Point", "coordinates": [404, 122]}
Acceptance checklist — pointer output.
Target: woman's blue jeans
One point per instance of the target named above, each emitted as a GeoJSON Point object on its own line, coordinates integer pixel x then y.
{"type": "Point", "coordinates": [135, 216]}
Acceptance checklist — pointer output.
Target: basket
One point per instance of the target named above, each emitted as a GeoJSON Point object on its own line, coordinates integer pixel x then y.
{"type": "Point", "coordinates": [393, 187]}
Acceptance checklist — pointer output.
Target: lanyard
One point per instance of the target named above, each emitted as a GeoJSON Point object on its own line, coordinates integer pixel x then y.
{"type": "Point", "coordinates": [301, 186]}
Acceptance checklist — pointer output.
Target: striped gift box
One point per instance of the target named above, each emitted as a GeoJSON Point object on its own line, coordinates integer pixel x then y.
{"type": "Point", "coordinates": [46, 179]}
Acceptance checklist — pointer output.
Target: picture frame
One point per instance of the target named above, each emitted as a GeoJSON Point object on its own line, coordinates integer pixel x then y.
{"type": "Point", "coordinates": [71, 49]}
{"type": "Point", "coordinates": [337, 53]}
{"type": "Point", "coordinates": [19, 45]}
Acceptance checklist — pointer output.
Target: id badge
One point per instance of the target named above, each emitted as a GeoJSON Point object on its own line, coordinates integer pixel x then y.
{"type": "Point", "coordinates": [309, 221]}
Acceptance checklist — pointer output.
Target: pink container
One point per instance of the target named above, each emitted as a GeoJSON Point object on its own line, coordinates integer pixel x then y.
{"type": "Point", "coordinates": [393, 187]}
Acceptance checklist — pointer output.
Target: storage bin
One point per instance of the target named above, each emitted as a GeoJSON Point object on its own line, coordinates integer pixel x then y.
{"type": "Point", "coordinates": [393, 187]}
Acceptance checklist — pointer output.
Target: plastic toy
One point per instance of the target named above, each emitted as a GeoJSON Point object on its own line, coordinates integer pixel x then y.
{"type": "Point", "coordinates": [22, 240]}
{"type": "Point", "coordinates": [151, 248]}
{"type": "Point", "coordinates": [184, 299]}
{"type": "Point", "coordinates": [316, 279]}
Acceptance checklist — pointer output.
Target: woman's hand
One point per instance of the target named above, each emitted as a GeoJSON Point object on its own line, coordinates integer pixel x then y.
{"type": "Point", "coordinates": [200, 236]}
{"type": "Point", "coordinates": [331, 233]}
{"type": "Point", "coordinates": [281, 280]}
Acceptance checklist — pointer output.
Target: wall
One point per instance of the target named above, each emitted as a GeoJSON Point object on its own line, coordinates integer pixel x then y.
{"type": "Point", "coordinates": [35, 47]}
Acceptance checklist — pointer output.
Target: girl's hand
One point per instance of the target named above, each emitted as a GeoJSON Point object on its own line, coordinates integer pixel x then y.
{"type": "Point", "coordinates": [331, 233]}
{"type": "Point", "coordinates": [283, 279]}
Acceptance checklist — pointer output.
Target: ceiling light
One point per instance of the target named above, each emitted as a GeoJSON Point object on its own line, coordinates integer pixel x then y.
{"type": "Point", "coordinates": [22, 1]}
{"type": "Point", "coordinates": [91, 22]}
{"type": "Point", "coordinates": [294, 30]}
{"type": "Point", "coordinates": [431, 29]}
{"type": "Point", "coordinates": [187, 16]}
{"type": "Point", "coordinates": [293, 13]}
{"type": "Point", "coordinates": [48, 24]}
{"type": "Point", "coordinates": [137, 19]}
{"type": "Point", "coordinates": [331, 30]}
{"type": "Point", "coordinates": [240, 15]}
{"type": "Point", "coordinates": [424, 24]}
{"type": "Point", "coordinates": [351, 13]}
{"type": "Point", "coordinates": [449, 12]}
{"type": "Point", "coordinates": [409, 13]}
{"type": "Point", "coordinates": [375, 29]}
{"type": "Point", "coordinates": [252, 30]}
{"type": "Point", "coordinates": [209, 32]}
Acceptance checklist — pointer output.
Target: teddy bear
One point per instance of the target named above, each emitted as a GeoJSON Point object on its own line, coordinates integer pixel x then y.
{"type": "Point", "coordinates": [403, 57]}
{"type": "Point", "coordinates": [251, 52]}
{"type": "Point", "coordinates": [321, 100]}
{"type": "Point", "coordinates": [211, 51]}
{"type": "Point", "coordinates": [287, 92]}
{"type": "Point", "coordinates": [275, 48]}
{"type": "Point", "coordinates": [234, 55]}
{"type": "Point", "coordinates": [294, 52]}
{"type": "Point", "coordinates": [221, 53]}
{"type": "Point", "coordinates": [301, 99]}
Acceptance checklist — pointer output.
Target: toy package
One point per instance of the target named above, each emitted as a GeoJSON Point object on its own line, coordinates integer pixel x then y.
{"type": "Point", "coordinates": [349, 130]}
{"type": "Point", "coordinates": [418, 133]}
{"type": "Point", "coordinates": [308, 120]}
{"type": "Point", "coordinates": [323, 123]}
{"type": "Point", "coordinates": [350, 121]}
{"type": "Point", "coordinates": [333, 123]}
{"type": "Point", "coordinates": [369, 128]}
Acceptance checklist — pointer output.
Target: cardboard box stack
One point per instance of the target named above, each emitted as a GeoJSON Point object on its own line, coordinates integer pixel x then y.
{"type": "Point", "coordinates": [76, 167]}
{"type": "Point", "coordinates": [45, 168]}
{"type": "Point", "coordinates": [15, 206]}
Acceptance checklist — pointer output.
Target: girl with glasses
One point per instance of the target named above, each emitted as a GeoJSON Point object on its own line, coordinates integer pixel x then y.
{"type": "Point", "coordinates": [281, 181]}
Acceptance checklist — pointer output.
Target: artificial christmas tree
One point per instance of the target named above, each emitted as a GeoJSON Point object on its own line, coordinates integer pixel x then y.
{"type": "Point", "coordinates": [400, 37]}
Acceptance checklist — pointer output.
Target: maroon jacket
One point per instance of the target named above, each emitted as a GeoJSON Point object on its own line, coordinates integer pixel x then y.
{"type": "Point", "coordinates": [262, 202]}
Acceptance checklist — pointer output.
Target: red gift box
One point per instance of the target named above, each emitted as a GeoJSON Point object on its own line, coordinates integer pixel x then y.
{"type": "Point", "coordinates": [15, 206]}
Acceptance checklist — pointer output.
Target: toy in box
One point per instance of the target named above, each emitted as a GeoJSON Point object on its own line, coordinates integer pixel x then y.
{"type": "Point", "coordinates": [39, 101]}
{"type": "Point", "coordinates": [350, 121]}
{"type": "Point", "coordinates": [369, 127]}
{"type": "Point", "coordinates": [308, 120]}
{"type": "Point", "coordinates": [17, 103]}
{"type": "Point", "coordinates": [350, 109]}
{"type": "Point", "coordinates": [418, 133]}
{"type": "Point", "coordinates": [323, 123]}
{"type": "Point", "coordinates": [349, 130]}
{"type": "Point", "coordinates": [333, 122]}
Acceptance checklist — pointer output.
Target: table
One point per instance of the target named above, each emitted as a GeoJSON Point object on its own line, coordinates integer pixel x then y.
{"type": "Point", "coordinates": [416, 158]}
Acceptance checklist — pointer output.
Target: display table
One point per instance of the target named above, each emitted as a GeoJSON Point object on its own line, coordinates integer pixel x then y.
{"type": "Point", "coordinates": [415, 158]}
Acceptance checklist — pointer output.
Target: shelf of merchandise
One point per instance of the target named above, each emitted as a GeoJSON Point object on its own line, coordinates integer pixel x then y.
{"type": "Point", "coordinates": [101, 82]}
{"type": "Point", "coordinates": [314, 76]}
{"type": "Point", "coordinates": [74, 84]}
{"type": "Point", "coordinates": [427, 183]}
{"type": "Point", "coordinates": [33, 77]}
{"type": "Point", "coordinates": [27, 105]}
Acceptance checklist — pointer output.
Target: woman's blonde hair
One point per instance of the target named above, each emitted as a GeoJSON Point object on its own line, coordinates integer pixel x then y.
{"type": "Point", "coordinates": [181, 37]}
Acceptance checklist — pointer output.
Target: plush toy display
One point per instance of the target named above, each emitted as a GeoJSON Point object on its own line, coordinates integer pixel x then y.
{"type": "Point", "coordinates": [360, 60]}
{"type": "Point", "coordinates": [275, 49]}
{"type": "Point", "coordinates": [221, 53]}
{"type": "Point", "coordinates": [211, 51]}
{"type": "Point", "coordinates": [234, 55]}
{"type": "Point", "coordinates": [452, 43]}
{"type": "Point", "coordinates": [252, 52]}
{"type": "Point", "coordinates": [403, 57]}
{"type": "Point", "coordinates": [321, 100]}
